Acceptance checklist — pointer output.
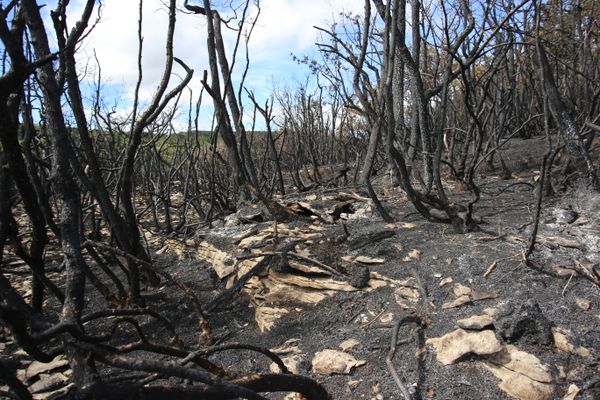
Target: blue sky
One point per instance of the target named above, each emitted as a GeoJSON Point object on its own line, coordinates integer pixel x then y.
{"type": "Point", "coordinates": [284, 27]}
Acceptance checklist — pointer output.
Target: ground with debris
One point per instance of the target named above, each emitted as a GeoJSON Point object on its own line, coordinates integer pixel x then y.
{"type": "Point", "coordinates": [471, 320]}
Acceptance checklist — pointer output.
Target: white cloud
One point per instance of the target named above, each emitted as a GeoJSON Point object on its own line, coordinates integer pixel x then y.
{"type": "Point", "coordinates": [287, 26]}
{"type": "Point", "coordinates": [115, 42]}
{"type": "Point", "coordinates": [284, 27]}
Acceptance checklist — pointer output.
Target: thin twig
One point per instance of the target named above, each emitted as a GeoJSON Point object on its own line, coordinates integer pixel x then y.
{"type": "Point", "coordinates": [567, 284]}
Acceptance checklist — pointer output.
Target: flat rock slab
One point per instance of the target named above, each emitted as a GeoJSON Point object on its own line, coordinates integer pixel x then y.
{"type": "Point", "coordinates": [48, 382]}
{"type": "Point", "coordinates": [456, 344]}
{"type": "Point", "coordinates": [36, 367]}
{"type": "Point", "coordinates": [522, 374]}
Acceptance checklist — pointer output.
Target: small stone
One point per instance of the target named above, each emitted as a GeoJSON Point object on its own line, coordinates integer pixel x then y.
{"type": "Point", "coordinates": [583, 352]}
{"type": "Point", "coordinates": [446, 281]}
{"type": "Point", "coordinates": [376, 388]}
{"type": "Point", "coordinates": [437, 275]}
{"type": "Point", "coordinates": [476, 322]}
{"type": "Point", "coordinates": [572, 392]}
{"type": "Point", "coordinates": [328, 362]}
{"type": "Point", "coordinates": [413, 255]}
{"type": "Point", "coordinates": [386, 318]}
{"type": "Point", "coordinates": [461, 301]}
{"type": "Point", "coordinates": [353, 384]}
{"type": "Point", "coordinates": [349, 344]}
{"type": "Point", "coordinates": [561, 341]}
{"type": "Point", "coordinates": [582, 303]}
{"type": "Point", "coordinates": [406, 293]}
{"type": "Point", "coordinates": [461, 290]}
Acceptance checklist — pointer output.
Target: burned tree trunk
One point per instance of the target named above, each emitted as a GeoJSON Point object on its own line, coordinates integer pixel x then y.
{"type": "Point", "coordinates": [575, 143]}
{"type": "Point", "coordinates": [64, 186]}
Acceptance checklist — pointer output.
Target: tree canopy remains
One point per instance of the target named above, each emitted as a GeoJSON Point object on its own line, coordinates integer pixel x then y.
{"type": "Point", "coordinates": [431, 145]}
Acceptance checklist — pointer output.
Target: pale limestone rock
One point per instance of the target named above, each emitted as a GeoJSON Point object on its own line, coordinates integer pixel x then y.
{"type": "Point", "coordinates": [461, 301]}
{"type": "Point", "coordinates": [36, 367]}
{"type": "Point", "coordinates": [477, 322]}
{"type": "Point", "coordinates": [561, 341]}
{"type": "Point", "coordinates": [572, 392]}
{"type": "Point", "coordinates": [456, 344]}
{"type": "Point", "coordinates": [349, 344]}
{"type": "Point", "coordinates": [386, 318]}
{"type": "Point", "coordinates": [522, 374]}
{"type": "Point", "coordinates": [582, 303]}
{"type": "Point", "coordinates": [48, 382]}
{"type": "Point", "coordinates": [407, 293]}
{"type": "Point", "coordinates": [58, 393]}
{"type": "Point", "coordinates": [287, 347]}
{"type": "Point", "coordinates": [461, 290]}
{"type": "Point", "coordinates": [267, 316]}
{"type": "Point", "coordinates": [376, 388]}
{"type": "Point", "coordinates": [295, 363]}
{"type": "Point", "coordinates": [523, 363]}
{"type": "Point", "coordinates": [369, 260]}
{"type": "Point", "coordinates": [328, 362]}
{"type": "Point", "coordinates": [222, 262]}
{"type": "Point", "coordinates": [446, 281]}
{"type": "Point", "coordinates": [353, 384]}
{"type": "Point", "coordinates": [413, 255]}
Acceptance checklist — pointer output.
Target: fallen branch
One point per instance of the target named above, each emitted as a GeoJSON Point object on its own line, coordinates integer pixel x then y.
{"type": "Point", "coordinates": [363, 241]}
{"type": "Point", "coordinates": [227, 293]}
{"type": "Point", "coordinates": [392, 352]}
{"type": "Point", "coordinates": [205, 331]}
{"type": "Point", "coordinates": [587, 271]}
